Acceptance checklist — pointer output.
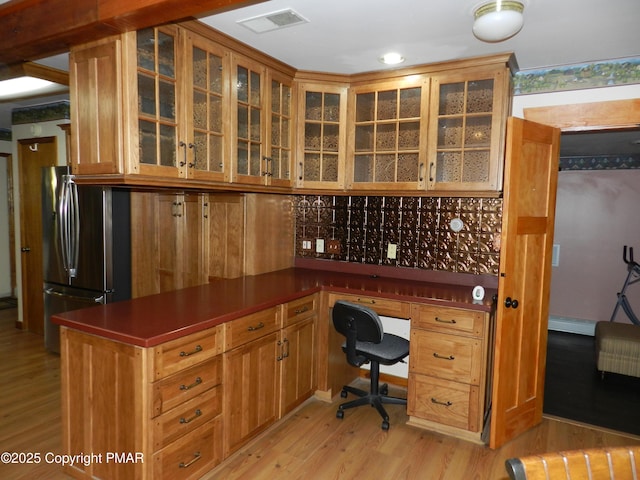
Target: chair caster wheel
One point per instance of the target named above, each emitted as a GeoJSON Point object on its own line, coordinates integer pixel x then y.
{"type": "Point", "coordinates": [340, 415]}
{"type": "Point", "coordinates": [384, 389]}
{"type": "Point", "coordinates": [385, 425]}
{"type": "Point", "coordinates": [344, 394]}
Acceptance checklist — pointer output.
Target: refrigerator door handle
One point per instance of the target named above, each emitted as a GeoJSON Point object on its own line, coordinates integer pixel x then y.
{"type": "Point", "coordinates": [50, 291]}
{"type": "Point", "coordinates": [69, 225]}
{"type": "Point", "coordinates": [74, 217]}
{"type": "Point", "coordinates": [63, 223]}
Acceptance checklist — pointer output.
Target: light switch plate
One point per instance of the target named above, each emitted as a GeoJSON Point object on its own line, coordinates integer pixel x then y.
{"type": "Point", "coordinates": [319, 245]}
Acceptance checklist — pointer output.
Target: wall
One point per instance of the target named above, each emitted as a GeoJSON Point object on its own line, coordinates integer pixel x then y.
{"type": "Point", "coordinates": [596, 214]}
{"type": "Point", "coordinates": [5, 253]}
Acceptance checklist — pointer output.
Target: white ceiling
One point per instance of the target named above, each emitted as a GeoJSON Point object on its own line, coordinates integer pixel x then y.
{"type": "Point", "coordinates": [348, 36]}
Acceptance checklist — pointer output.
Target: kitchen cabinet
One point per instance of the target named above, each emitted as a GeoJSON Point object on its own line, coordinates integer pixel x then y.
{"type": "Point", "coordinates": [208, 128]}
{"type": "Point", "coordinates": [261, 116]}
{"type": "Point", "coordinates": [279, 126]}
{"type": "Point", "coordinates": [268, 370]}
{"type": "Point", "coordinates": [298, 354]}
{"type": "Point", "coordinates": [249, 234]}
{"type": "Point", "coordinates": [468, 112]}
{"type": "Point", "coordinates": [169, 230]}
{"type": "Point", "coordinates": [180, 104]}
{"type": "Point", "coordinates": [387, 144]}
{"type": "Point", "coordinates": [448, 367]}
{"type": "Point", "coordinates": [321, 153]}
{"type": "Point", "coordinates": [164, 403]}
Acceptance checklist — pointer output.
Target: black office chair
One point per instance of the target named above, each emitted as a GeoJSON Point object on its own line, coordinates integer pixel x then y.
{"type": "Point", "coordinates": [367, 343]}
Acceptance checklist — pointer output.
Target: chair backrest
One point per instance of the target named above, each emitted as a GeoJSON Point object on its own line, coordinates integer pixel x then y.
{"type": "Point", "coordinates": [609, 463]}
{"type": "Point", "coordinates": [358, 324]}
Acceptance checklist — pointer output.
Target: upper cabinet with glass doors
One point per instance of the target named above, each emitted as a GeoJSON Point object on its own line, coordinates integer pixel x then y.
{"type": "Point", "coordinates": [158, 118]}
{"type": "Point", "coordinates": [209, 128]}
{"type": "Point", "coordinates": [261, 109]}
{"type": "Point", "coordinates": [322, 118]}
{"type": "Point", "coordinates": [467, 128]}
{"type": "Point", "coordinates": [388, 139]}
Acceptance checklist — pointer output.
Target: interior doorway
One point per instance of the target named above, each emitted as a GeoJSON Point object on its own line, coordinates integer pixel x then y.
{"type": "Point", "coordinates": [33, 154]}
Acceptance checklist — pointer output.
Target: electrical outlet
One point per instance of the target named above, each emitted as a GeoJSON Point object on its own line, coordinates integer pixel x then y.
{"type": "Point", "coordinates": [392, 250]}
{"type": "Point", "coordinates": [306, 244]}
{"type": "Point", "coordinates": [333, 247]}
{"type": "Point", "coordinates": [319, 245]}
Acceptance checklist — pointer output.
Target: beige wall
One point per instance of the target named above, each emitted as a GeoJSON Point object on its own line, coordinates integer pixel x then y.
{"type": "Point", "coordinates": [596, 214]}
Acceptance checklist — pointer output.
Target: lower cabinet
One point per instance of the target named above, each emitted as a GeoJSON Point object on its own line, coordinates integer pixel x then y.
{"type": "Point", "coordinates": [269, 368]}
{"type": "Point", "coordinates": [448, 370]}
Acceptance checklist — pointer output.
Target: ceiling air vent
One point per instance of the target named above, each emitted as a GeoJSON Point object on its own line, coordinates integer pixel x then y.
{"type": "Point", "coordinates": [273, 21]}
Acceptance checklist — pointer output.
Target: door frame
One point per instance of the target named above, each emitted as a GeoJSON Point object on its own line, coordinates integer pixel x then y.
{"type": "Point", "coordinates": [588, 116]}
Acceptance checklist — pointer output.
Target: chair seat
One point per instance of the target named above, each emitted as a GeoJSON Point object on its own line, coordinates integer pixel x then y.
{"type": "Point", "coordinates": [391, 350]}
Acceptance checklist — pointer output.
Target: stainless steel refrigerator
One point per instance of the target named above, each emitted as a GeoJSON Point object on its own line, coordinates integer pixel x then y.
{"type": "Point", "coordinates": [86, 246]}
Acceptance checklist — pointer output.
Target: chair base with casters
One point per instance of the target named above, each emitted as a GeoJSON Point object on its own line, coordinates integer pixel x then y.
{"type": "Point", "coordinates": [377, 397]}
{"type": "Point", "coordinates": [367, 343]}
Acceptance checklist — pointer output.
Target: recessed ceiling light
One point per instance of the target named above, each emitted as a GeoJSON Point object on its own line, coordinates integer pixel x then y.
{"type": "Point", "coordinates": [391, 58]}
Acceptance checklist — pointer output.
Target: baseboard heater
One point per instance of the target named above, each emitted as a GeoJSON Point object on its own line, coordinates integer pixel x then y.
{"type": "Point", "coordinates": [572, 325]}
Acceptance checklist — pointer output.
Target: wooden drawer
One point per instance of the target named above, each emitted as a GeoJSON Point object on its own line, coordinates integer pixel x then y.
{"type": "Point", "coordinates": [446, 356]}
{"type": "Point", "coordinates": [192, 455]}
{"type": "Point", "coordinates": [445, 402]}
{"type": "Point", "coordinates": [382, 306]}
{"type": "Point", "coordinates": [186, 417]}
{"type": "Point", "coordinates": [447, 319]}
{"type": "Point", "coordinates": [175, 355]}
{"type": "Point", "coordinates": [245, 329]}
{"type": "Point", "coordinates": [185, 385]}
{"type": "Point", "coordinates": [300, 309]}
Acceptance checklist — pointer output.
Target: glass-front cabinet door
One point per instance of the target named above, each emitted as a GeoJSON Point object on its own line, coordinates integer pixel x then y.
{"type": "Point", "coordinates": [466, 135]}
{"type": "Point", "coordinates": [388, 142]}
{"type": "Point", "coordinates": [249, 164]}
{"type": "Point", "coordinates": [158, 115]}
{"type": "Point", "coordinates": [279, 154]}
{"type": "Point", "coordinates": [321, 136]}
{"type": "Point", "coordinates": [208, 124]}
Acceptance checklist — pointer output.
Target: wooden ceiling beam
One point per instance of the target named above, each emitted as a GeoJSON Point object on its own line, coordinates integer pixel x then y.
{"type": "Point", "coordinates": [34, 29]}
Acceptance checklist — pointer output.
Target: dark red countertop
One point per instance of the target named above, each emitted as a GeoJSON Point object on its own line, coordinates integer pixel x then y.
{"type": "Point", "coordinates": [149, 321]}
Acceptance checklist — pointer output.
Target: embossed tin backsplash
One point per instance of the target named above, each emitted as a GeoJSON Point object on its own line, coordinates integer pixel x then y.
{"type": "Point", "coordinates": [359, 229]}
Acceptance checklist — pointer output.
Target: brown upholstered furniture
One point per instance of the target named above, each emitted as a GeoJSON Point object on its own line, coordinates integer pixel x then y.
{"type": "Point", "coordinates": [619, 463]}
{"type": "Point", "coordinates": [618, 348]}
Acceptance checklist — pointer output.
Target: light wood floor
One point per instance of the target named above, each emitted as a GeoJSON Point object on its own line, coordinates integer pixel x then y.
{"type": "Point", "coordinates": [311, 443]}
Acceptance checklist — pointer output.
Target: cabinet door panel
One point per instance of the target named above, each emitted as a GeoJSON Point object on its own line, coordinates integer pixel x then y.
{"type": "Point", "coordinates": [297, 364]}
{"type": "Point", "coordinates": [250, 383]}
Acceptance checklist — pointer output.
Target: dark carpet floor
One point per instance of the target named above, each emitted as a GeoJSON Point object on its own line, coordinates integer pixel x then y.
{"type": "Point", "coordinates": [575, 390]}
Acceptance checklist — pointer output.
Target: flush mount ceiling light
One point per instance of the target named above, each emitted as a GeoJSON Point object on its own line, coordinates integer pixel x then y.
{"type": "Point", "coordinates": [391, 58]}
{"type": "Point", "coordinates": [498, 20]}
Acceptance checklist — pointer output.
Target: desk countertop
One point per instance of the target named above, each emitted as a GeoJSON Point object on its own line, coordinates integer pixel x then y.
{"type": "Point", "coordinates": [149, 321]}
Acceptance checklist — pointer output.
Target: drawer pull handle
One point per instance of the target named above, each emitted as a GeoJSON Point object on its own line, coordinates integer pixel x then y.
{"type": "Point", "coordinates": [257, 327]}
{"type": "Point", "coordinates": [196, 414]}
{"type": "Point", "coordinates": [195, 350]}
{"type": "Point", "coordinates": [196, 457]}
{"type": "Point", "coordinates": [194, 384]}
{"type": "Point", "coordinates": [442, 320]}
{"type": "Point", "coordinates": [367, 300]}
{"type": "Point", "coordinates": [301, 310]}
{"type": "Point", "coordinates": [443, 357]}
{"type": "Point", "coordinates": [438, 402]}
